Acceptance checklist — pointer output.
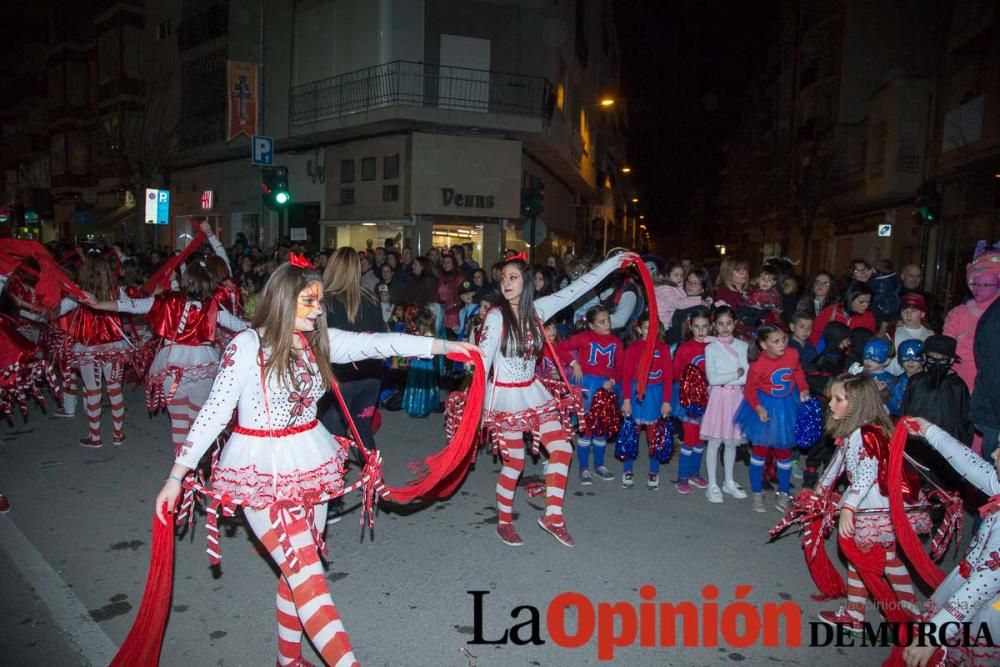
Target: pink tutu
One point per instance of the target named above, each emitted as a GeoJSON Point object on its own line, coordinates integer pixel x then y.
{"type": "Point", "coordinates": [723, 401]}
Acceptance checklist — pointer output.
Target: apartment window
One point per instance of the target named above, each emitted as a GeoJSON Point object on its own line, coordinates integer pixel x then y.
{"type": "Point", "coordinates": [347, 195]}
{"type": "Point", "coordinates": [347, 171]}
{"type": "Point", "coordinates": [390, 193]}
{"type": "Point", "coordinates": [163, 30]}
{"type": "Point", "coordinates": [368, 166]}
{"type": "Point", "coordinates": [390, 166]}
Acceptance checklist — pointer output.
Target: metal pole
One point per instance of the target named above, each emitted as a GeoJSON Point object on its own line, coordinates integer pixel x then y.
{"type": "Point", "coordinates": [531, 247]}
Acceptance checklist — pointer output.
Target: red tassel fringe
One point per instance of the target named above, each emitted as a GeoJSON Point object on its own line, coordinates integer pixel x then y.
{"type": "Point", "coordinates": [162, 275]}
{"type": "Point", "coordinates": [652, 334]}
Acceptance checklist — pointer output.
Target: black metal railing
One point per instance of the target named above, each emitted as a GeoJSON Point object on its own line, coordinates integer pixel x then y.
{"type": "Point", "coordinates": [406, 83]}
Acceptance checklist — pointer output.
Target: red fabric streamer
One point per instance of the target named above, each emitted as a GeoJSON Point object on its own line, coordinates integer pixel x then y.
{"type": "Point", "coordinates": [162, 275]}
{"type": "Point", "coordinates": [51, 283]}
{"type": "Point", "coordinates": [142, 646]}
{"type": "Point", "coordinates": [652, 335]}
{"type": "Point", "coordinates": [927, 570]}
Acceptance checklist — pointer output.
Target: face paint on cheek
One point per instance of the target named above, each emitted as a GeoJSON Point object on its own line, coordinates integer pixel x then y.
{"type": "Point", "coordinates": [309, 299]}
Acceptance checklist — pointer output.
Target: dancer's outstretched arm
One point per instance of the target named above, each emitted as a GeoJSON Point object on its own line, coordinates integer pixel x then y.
{"type": "Point", "coordinates": [547, 306]}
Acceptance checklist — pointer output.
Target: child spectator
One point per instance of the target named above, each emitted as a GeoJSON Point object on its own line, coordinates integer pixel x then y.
{"type": "Point", "coordinates": [913, 316]}
{"type": "Point", "coordinates": [937, 393]}
{"type": "Point", "coordinates": [802, 326]}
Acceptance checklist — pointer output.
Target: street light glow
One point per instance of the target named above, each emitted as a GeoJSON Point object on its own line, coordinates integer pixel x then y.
{"type": "Point", "coordinates": [607, 102]}
{"type": "Point", "coordinates": [626, 170]}
{"type": "Point", "coordinates": [635, 200]}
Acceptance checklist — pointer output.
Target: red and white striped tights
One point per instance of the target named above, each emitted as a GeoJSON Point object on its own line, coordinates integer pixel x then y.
{"type": "Point", "coordinates": [560, 454]}
{"type": "Point", "coordinates": [897, 576]}
{"type": "Point", "coordinates": [303, 600]}
{"type": "Point", "coordinates": [185, 406]}
{"type": "Point", "coordinates": [92, 374]}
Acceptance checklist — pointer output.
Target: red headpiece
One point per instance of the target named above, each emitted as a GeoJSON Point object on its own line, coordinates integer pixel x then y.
{"type": "Point", "coordinates": [299, 261]}
{"type": "Point", "coordinates": [519, 257]}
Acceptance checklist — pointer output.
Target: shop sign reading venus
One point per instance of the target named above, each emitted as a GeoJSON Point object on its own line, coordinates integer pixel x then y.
{"type": "Point", "coordinates": [450, 198]}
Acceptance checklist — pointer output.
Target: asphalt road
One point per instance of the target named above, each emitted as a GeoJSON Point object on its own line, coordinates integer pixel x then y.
{"type": "Point", "coordinates": [84, 516]}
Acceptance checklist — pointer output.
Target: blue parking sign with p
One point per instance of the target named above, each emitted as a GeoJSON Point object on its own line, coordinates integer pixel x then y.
{"type": "Point", "coordinates": [262, 151]}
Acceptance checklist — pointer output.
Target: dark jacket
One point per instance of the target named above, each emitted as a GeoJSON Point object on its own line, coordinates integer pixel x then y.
{"type": "Point", "coordinates": [885, 296]}
{"type": "Point", "coordinates": [369, 320]}
{"type": "Point", "coordinates": [984, 410]}
{"type": "Point", "coordinates": [419, 290]}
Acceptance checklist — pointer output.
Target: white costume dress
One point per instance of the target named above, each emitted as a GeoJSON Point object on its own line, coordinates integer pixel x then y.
{"type": "Point", "coordinates": [968, 593]}
{"type": "Point", "coordinates": [516, 399]}
{"type": "Point", "coordinates": [278, 450]}
{"type": "Point", "coordinates": [872, 524]}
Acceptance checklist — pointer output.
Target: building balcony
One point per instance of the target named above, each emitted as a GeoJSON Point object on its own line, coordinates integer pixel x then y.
{"type": "Point", "coordinates": [421, 91]}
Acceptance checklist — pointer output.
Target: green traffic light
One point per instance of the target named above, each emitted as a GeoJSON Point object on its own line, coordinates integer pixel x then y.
{"type": "Point", "coordinates": [925, 213]}
{"type": "Point", "coordinates": [281, 198]}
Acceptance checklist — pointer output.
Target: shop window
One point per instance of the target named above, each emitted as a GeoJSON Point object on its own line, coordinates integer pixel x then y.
{"type": "Point", "coordinates": [347, 171]}
{"type": "Point", "coordinates": [368, 169]}
{"type": "Point", "coordinates": [390, 166]}
{"type": "Point", "coordinates": [346, 195]}
{"type": "Point", "coordinates": [390, 193]}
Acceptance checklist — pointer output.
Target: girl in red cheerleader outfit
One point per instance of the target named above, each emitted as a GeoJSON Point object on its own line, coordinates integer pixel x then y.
{"type": "Point", "coordinates": [97, 347]}
{"type": "Point", "coordinates": [861, 425]}
{"type": "Point", "coordinates": [180, 377]}
{"type": "Point", "coordinates": [517, 401]}
{"type": "Point", "coordinates": [656, 402]}
{"type": "Point", "coordinates": [691, 352]}
{"type": "Point", "coordinates": [775, 386]}
{"type": "Point", "coordinates": [595, 357]}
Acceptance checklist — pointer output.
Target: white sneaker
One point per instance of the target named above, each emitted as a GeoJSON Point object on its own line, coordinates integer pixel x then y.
{"type": "Point", "coordinates": [714, 494]}
{"type": "Point", "coordinates": [628, 480]}
{"type": "Point", "coordinates": [758, 502]}
{"type": "Point", "coordinates": [653, 482]}
{"type": "Point", "coordinates": [735, 490]}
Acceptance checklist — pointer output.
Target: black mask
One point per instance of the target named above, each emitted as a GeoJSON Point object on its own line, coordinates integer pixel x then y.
{"type": "Point", "coordinates": [937, 369]}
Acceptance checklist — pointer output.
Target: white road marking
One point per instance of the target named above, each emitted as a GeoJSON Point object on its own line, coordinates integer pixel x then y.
{"type": "Point", "coordinates": [66, 608]}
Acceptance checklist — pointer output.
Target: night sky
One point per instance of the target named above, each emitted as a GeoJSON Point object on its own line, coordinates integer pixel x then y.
{"type": "Point", "coordinates": [685, 66]}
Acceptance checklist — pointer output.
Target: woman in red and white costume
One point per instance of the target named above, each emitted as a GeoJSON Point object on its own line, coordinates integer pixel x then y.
{"type": "Point", "coordinates": [180, 377]}
{"type": "Point", "coordinates": [280, 459]}
{"type": "Point", "coordinates": [516, 401]}
{"type": "Point", "coordinates": [95, 345]}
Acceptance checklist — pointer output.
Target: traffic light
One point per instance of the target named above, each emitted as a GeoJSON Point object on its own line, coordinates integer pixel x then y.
{"type": "Point", "coordinates": [274, 187]}
{"type": "Point", "coordinates": [533, 197]}
{"type": "Point", "coordinates": [929, 208]}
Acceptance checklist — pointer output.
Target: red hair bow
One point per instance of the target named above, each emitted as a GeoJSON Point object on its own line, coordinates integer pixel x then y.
{"type": "Point", "coordinates": [519, 257]}
{"type": "Point", "coordinates": [299, 261]}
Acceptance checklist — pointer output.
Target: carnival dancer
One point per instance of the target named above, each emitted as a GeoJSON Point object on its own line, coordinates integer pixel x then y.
{"type": "Point", "coordinates": [726, 370]}
{"type": "Point", "coordinates": [227, 293]}
{"type": "Point", "coordinates": [861, 425]}
{"type": "Point", "coordinates": [23, 369]}
{"type": "Point", "coordinates": [967, 594]}
{"type": "Point", "coordinates": [769, 410]}
{"type": "Point", "coordinates": [96, 347]}
{"type": "Point", "coordinates": [280, 460]}
{"type": "Point", "coordinates": [655, 404]}
{"type": "Point", "coordinates": [516, 400]}
{"type": "Point", "coordinates": [691, 352]}
{"type": "Point", "coordinates": [180, 376]}
{"type": "Point", "coordinates": [594, 355]}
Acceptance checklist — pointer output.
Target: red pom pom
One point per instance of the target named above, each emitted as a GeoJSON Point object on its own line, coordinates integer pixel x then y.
{"type": "Point", "coordinates": [604, 418]}
{"type": "Point", "coordinates": [694, 387]}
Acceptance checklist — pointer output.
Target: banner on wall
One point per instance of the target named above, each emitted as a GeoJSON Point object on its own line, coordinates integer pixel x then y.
{"type": "Point", "coordinates": [241, 99]}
